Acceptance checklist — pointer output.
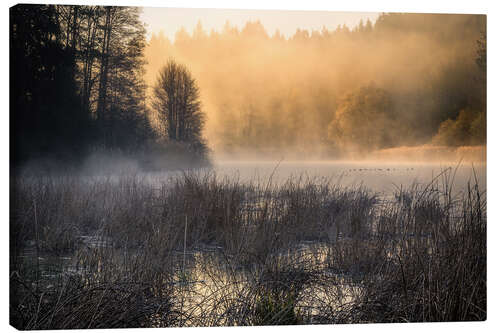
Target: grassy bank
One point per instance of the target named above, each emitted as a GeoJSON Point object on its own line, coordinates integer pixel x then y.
{"type": "Point", "coordinates": [200, 250]}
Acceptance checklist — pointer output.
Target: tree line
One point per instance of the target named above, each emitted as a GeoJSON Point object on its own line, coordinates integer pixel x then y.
{"type": "Point", "coordinates": [79, 78]}
{"type": "Point", "coordinates": [401, 80]}
{"type": "Point", "coordinates": [77, 84]}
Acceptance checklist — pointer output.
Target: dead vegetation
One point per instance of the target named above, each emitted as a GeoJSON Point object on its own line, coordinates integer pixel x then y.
{"type": "Point", "coordinates": [200, 250]}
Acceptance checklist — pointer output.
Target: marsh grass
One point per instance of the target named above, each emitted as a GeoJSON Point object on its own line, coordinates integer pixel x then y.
{"type": "Point", "coordinates": [199, 250]}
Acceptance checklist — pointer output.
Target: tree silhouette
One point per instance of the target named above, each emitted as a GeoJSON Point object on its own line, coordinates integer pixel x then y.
{"type": "Point", "coordinates": [46, 119]}
{"type": "Point", "coordinates": [176, 101]}
{"type": "Point", "coordinates": [76, 77]}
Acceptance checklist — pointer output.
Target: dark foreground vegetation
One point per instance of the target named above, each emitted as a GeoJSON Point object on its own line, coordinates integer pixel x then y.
{"type": "Point", "coordinates": [197, 250]}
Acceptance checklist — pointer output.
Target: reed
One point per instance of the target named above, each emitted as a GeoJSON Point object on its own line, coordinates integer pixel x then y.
{"type": "Point", "coordinates": [196, 249]}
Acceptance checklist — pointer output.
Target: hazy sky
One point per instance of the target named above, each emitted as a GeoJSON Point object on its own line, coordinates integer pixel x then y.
{"type": "Point", "coordinates": [172, 19]}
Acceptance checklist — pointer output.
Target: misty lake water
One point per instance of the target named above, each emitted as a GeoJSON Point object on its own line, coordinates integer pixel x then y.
{"type": "Point", "coordinates": [379, 177]}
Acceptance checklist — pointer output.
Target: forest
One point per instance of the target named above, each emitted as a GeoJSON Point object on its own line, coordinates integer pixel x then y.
{"type": "Point", "coordinates": [419, 79]}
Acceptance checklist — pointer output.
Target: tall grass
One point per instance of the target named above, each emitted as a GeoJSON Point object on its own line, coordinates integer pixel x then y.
{"type": "Point", "coordinates": [199, 250]}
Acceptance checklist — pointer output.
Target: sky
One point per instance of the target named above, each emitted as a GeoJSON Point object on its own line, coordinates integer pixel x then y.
{"type": "Point", "coordinates": [172, 19]}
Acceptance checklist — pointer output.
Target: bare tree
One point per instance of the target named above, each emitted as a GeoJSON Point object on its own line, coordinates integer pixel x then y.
{"type": "Point", "coordinates": [176, 100]}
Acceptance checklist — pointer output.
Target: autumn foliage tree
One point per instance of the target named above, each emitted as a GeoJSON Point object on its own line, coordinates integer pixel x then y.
{"type": "Point", "coordinates": [365, 120]}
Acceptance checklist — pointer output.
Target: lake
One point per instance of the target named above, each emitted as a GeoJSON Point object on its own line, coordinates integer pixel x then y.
{"type": "Point", "coordinates": [378, 177]}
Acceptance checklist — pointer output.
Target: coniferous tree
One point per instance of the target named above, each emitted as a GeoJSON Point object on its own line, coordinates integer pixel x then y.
{"type": "Point", "coordinates": [46, 118]}
{"type": "Point", "coordinates": [76, 80]}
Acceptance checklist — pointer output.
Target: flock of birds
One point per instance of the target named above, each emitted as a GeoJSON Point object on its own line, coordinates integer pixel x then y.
{"type": "Point", "coordinates": [375, 169]}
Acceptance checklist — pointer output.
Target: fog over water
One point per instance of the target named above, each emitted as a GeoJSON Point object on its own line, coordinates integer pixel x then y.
{"type": "Point", "coordinates": [384, 172]}
{"type": "Point", "coordinates": [383, 177]}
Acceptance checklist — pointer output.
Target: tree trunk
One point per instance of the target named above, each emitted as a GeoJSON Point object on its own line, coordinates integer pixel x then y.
{"type": "Point", "coordinates": [103, 76]}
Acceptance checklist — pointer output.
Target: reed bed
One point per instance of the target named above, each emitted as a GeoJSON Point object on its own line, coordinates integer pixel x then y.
{"type": "Point", "coordinates": [196, 249]}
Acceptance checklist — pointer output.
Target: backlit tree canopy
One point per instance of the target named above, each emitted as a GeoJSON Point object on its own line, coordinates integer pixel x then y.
{"type": "Point", "coordinates": [365, 120]}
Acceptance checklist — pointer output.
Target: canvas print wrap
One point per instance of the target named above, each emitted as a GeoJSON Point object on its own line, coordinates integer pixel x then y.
{"type": "Point", "coordinates": [178, 167]}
